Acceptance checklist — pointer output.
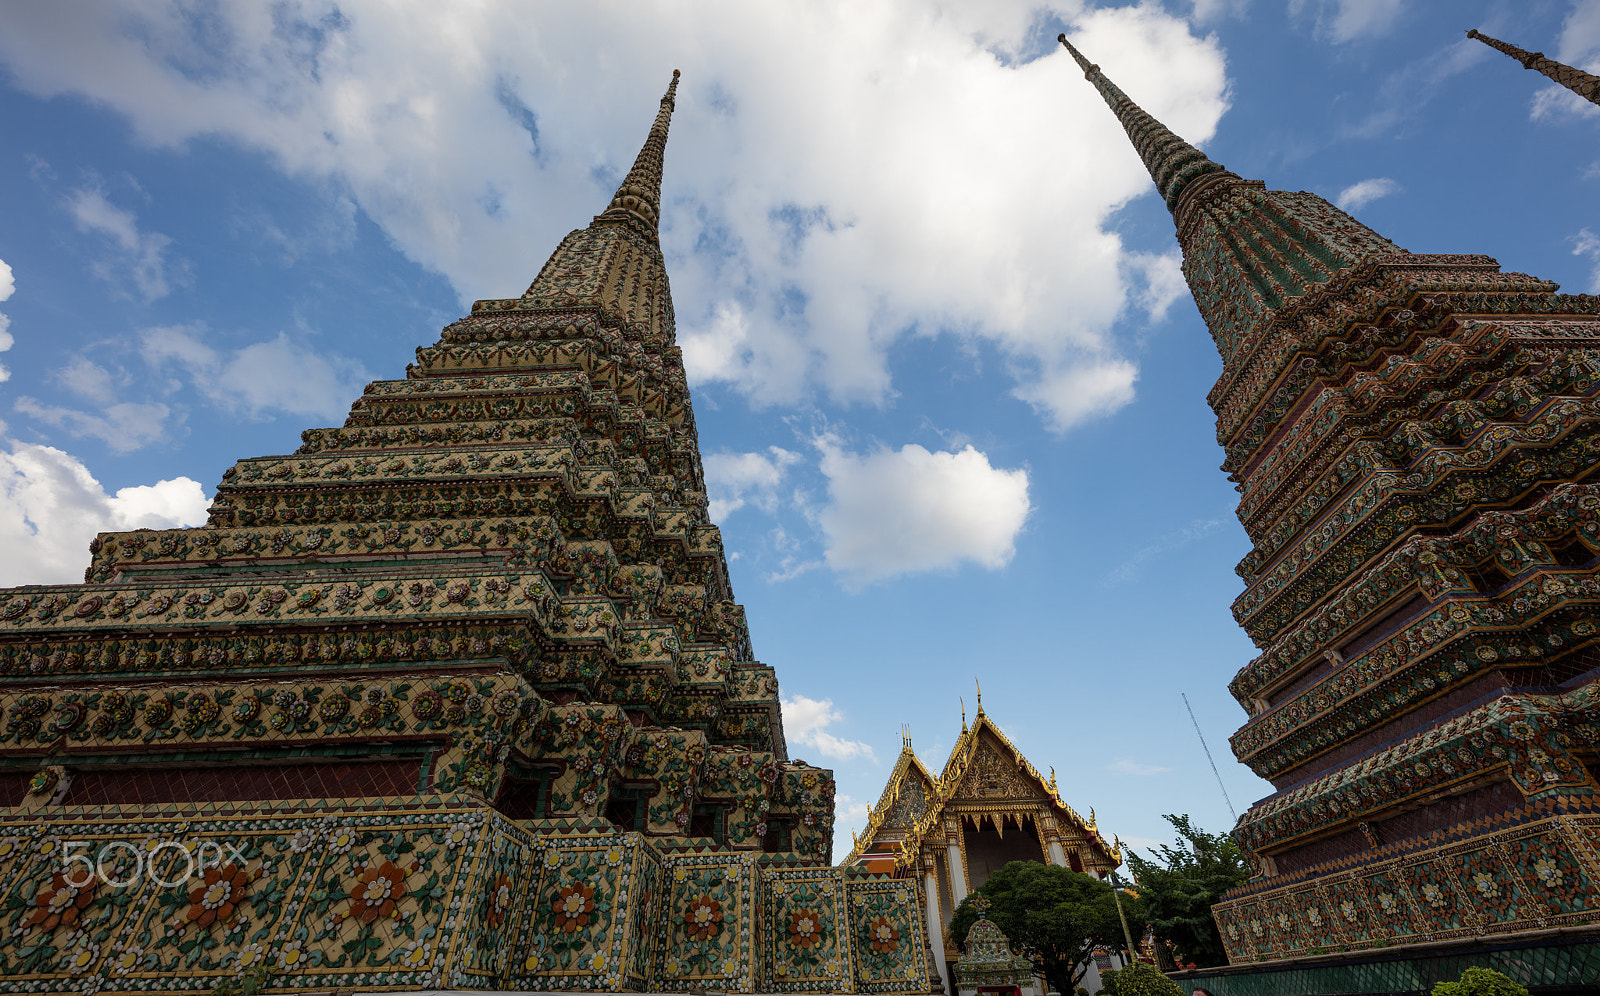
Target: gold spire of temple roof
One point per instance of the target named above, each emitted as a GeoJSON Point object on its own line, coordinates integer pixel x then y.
{"type": "Point", "coordinates": [1579, 82]}
{"type": "Point", "coordinates": [639, 196]}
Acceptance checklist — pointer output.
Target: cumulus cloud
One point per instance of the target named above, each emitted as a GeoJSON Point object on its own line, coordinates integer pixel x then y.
{"type": "Point", "coordinates": [124, 427]}
{"type": "Point", "coordinates": [8, 284]}
{"type": "Point", "coordinates": [733, 479]}
{"type": "Point", "coordinates": [263, 377]}
{"type": "Point", "coordinates": [1341, 21]}
{"type": "Point", "coordinates": [1359, 195]}
{"type": "Point", "coordinates": [804, 725]}
{"type": "Point", "coordinates": [137, 258]}
{"type": "Point", "coordinates": [1586, 243]}
{"type": "Point", "coordinates": [825, 197]}
{"type": "Point", "coordinates": [51, 507]}
{"type": "Point", "coordinates": [893, 512]}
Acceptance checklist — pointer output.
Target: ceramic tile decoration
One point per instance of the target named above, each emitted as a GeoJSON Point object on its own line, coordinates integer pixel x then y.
{"type": "Point", "coordinates": [455, 696]}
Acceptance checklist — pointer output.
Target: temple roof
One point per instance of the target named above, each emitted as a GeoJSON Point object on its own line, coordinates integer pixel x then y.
{"type": "Point", "coordinates": [910, 775]}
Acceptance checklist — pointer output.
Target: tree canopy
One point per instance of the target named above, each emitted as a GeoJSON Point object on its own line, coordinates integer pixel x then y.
{"type": "Point", "coordinates": [1180, 888]}
{"type": "Point", "coordinates": [1053, 916]}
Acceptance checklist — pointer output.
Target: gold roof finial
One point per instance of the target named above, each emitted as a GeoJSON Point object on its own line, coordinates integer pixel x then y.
{"type": "Point", "coordinates": [905, 737]}
{"type": "Point", "coordinates": [980, 696]}
{"type": "Point", "coordinates": [639, 196]}
{"type": "Point", "coordinates": [1579, 82]}
{"type": "Point", "coordinates": [963, 714]}
{"type": "Point", "coordinates": [1053, 789]}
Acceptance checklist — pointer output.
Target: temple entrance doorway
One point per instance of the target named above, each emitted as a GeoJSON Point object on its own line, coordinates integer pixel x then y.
{"type": "Point", "coordinates": [989, 850]}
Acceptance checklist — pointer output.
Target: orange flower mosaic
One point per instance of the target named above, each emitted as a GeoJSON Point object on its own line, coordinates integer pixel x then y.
{"type": "Point", "coordinates": [377, 892]}
{"type": "Point", "coordinates": [704, 918]}
{"type": "Point", "coordinates": [499, 900]}
{"type": "Point", "coordinates": [573, 906]}
{"type": "Point", "coordinates": [61, 902]}
{"type": "Point", "coordinates": [805, 928]}
{"type": "Point", "coordinates": [217, 899]}
{"type": "Point", "coordinates": [882, 935]}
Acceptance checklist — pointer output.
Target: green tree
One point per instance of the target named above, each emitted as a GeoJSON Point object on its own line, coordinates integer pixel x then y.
{"type": "Point", "coordinates": [1180, 888]}
{"type": "Point", "coordinates": [1480, 982]}
{"type": "Point", "coordinates": [1053, 916]}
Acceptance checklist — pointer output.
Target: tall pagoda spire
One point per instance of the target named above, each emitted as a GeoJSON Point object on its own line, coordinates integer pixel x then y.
{"type": "Point", "coordinates": [1579, 82]}
{"type": "Point", "coordinates": [1408, 479]}
{"type": "Point", "coordinates": [615, 264]}
{"type": "Point", "coordinates": [1173, 163]}
{"type": "Point", "coordinates": [639, 196]}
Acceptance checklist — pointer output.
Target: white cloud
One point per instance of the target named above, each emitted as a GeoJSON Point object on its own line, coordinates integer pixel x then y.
{"type": "Point", "coordinates": [8, 284]}
{"type": "Point", "coordinates": [87, 379]}
{"type": "Point", "coordinates": [1162, 280]}
{"type": "Point", "coordinates": [139, 257]}
{"type": "Point", "coordinates": [850, 817]}
{"type": "Point", "coordinates": [732, 479]}
{"type": "Point", "coordinates": [1580, 34]}
{"type": "Point", "coordinates": [804, 722]}
{"type": "Point", "coordinates": [1342, 21]}
{"type": "Point", "coordinates": [123, 427]}
{"type": "Point", "coordinates": [894, 512]}
{"type": "Point", "coordinates": [1128, 766]}
{"type": "Point", "coordinates": [1359, 195]}
{"type": "Point", "coordinates": [1586, 243]}
{"type": "Point", "coordinates": [881, 172]}
{"type": "Point", "coordinates": [51, 507]}
{"type": "Point", "coordinates": [275, 375]}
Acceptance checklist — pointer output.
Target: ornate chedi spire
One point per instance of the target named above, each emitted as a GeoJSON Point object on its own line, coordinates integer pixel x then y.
{"type": "Point", "coordinates": [639, 197]}
{"type": "Point", "coordinates": [1579, 82]}
{"type": "Point", "coordinates": [1412, 436]}
{"type": "Point", "coordinates": [1254, 250]}
{"type": "Point", "coordinates": [474, 652]}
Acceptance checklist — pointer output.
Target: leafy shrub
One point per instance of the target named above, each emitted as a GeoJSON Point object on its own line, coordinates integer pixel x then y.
{"type": "Point", "coordinates": [1480, 982]}
{"type": "Point", "coordinates": [1139, 979]}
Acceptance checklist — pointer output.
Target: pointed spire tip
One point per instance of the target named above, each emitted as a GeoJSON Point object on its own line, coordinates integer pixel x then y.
{"type": "Point", "coordinates": [639, 196]}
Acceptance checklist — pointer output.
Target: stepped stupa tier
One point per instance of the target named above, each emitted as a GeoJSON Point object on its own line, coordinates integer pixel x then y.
{"type": "Point", "coordinates": [1414, 438]}
{"type": "Point", "coordinates": [455, 695]}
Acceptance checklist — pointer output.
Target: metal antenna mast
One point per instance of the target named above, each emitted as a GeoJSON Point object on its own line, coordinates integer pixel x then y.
{"type": "Point", "coordinates": [1213, 763]}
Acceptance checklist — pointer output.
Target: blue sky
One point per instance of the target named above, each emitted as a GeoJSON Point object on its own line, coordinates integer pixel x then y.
{"type": "Point", "coordinates": [950, 389]}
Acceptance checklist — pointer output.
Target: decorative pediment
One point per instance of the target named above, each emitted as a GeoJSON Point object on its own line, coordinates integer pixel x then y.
{"type": "Point", "coordinates": [910, 807]}
{"type": "Point", "coordinates": [992, 775]}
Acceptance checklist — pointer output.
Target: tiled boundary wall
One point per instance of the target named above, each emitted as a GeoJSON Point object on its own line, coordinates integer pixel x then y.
{"type": "Point", "coordinates": [426, 892]}
{"type": "Point", "coordinates": [1556, 963]}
